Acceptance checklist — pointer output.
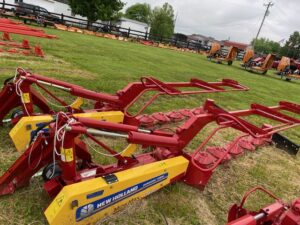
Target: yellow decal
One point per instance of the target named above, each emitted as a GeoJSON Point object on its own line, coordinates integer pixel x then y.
{"type": "Point", "coordinates": [67, 155]}
{"type": "Point", "coordinates": [60, 200]}
{"type": "Point", "coordinates": [77, 103]}
{"type": "Point", "coordinates": [128, 152]}
{"type": "Point", "coordinates": [26, 98]}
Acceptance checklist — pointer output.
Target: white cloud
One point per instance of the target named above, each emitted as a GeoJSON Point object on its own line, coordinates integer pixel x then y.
{"type": "Point", "coordinates": [237, 19]}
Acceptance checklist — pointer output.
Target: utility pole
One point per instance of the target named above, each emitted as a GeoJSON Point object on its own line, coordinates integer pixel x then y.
{"type": "Point", "coordinates": [176, 17]}
{"type": "Point", "coordinates": [270, 4]}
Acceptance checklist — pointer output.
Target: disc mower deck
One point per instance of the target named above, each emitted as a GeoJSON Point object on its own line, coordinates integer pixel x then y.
{"type": "Point", "coordinates": [63, 151]}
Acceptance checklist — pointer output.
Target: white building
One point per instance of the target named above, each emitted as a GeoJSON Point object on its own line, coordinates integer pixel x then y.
{"type": "Point", "coordinates": [62, 7]}
{"type": "Point", "coordinates": [50, 5]}
{"type": "Point", "coordinates": [135, 27]}
{"type": "Point", "coordinates": [58, 6]}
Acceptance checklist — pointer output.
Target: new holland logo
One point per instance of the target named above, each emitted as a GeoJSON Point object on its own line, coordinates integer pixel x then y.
{"type": "Point", "coordinates": [108, 201]}
{"type": "Point", "coordinates": [87, 210]}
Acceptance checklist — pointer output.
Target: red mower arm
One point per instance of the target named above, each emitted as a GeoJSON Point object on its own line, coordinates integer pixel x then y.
{"type": "Point", "coordinates": [277, 213]}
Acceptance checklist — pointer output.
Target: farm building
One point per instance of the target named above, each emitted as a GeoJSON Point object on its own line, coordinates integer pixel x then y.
{"type": "Point", "coordinates": [51, 5]}
{"type": "Point", "coordinates": [240, 46]}
{"type": "Point", "coordinates": [137, 28]}
{"type": "Point", "coordinates": [62, 7]}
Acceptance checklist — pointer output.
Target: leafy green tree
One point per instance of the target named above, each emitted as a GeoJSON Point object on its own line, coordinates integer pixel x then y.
{"type": "Point", "coordinates": [140, 12]}
{"type": "Point", "coordinates": [162, 22]}
{"type": "Point", "coordinates": [292, 46]}
{"type": "Point", "coordinates": [94, 10]}
{"type": "Point", "coordinates": [266, 46]}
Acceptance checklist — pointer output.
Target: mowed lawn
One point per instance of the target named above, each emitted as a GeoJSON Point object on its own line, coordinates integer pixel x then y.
{"type": "Point", "coordinates": [108, 65]}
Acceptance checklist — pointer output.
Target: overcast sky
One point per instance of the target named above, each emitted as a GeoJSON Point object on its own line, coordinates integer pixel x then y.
{"type": "Point", "coordinates": [238, 20]}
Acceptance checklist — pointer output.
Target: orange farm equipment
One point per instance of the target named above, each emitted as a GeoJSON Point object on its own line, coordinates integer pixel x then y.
{"type": "Point", "coordinates": [229, 57]}
{"type": "Point", "coordinates": [261, 67]}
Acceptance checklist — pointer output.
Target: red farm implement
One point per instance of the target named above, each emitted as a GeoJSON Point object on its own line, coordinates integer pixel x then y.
{"type": "Point", "coordinates": [11, 27]}
{"type": "Point", "coordinates": [25, 91]}
{"type": "Point", "coordinates": [278, 213]}
{"type": "Point", "coordinates": [88, 191]}
{"type": "Point", "coordinates": [8, 27]}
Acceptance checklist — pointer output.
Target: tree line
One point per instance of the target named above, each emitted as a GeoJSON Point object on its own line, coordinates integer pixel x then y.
{"type": "Point", "coordinates": [291, 47]}
{"type": "Point", "coordinates": [162, 22]}
{"type": "Point", "coordinates": [161, 19]}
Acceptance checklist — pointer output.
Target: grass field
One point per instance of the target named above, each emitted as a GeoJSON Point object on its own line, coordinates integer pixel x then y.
{"type": "Point", "coordinates": [107, 65]}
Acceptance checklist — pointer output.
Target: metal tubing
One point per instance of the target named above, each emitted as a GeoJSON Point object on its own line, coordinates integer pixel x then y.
{"type": "Point", "coordinates": [259, 216]}
{"type": "Point", "coordinates": [105, 133]}
{"type": "Point", "coordinates": [110, 126]}
{"type": "Point", "coordinates": [95, 132]}
{"type": "Point", "coordinates": [47, 83]}
{"type": "Point", "coordinates": [54, 85]}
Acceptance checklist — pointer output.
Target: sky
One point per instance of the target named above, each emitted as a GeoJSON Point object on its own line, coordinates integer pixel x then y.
{"type": "Point", "coordinates": [237, 20]}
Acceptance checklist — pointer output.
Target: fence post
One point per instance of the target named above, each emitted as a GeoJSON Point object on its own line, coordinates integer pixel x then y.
{"type": "Point", "coordinates": [62, 18]}
{"type": "Point", "coordinates": [128, 33]}
{"type": "Point", "coordinates": [188, 44]}
{"type": "Point", "coordinates": [146, 35]}
{"type": "Point", "coordinates": [161, 39]}
{"type": "Point", "coordinates": [3, 4]}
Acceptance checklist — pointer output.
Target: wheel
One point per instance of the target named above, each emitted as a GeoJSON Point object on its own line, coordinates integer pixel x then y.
{"type": "Point", "coordinates": [8, 80]}
{"type": "Point", "coordinates": [51, 171]}
{"type": "Point", "coordinates": [229, 63]}
{"type": "Point", "coordinates": [288, 79]}
{"type": "Point", "coordinates": [265, 72]}
{"type": "Point", "coordinates": [18, 113]}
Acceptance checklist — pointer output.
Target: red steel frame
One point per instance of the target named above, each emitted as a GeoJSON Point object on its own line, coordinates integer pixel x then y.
{"type": "Point", "coordinates": [23, 45]}
{"type": "Point", "coordinates": [203, 161]}
{"type": "Point", "coordinates": [9, 26]}
{"type": "Point", "coordinates": [278, 213]}
{"type": "Point", "coordinates": [122, 100]}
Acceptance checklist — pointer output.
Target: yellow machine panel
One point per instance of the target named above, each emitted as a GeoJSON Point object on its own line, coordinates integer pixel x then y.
{"type": "Point", "coordinates": [283, 64]}
{"type": "Point", "coordinates": [22, 131]}
{"type": "Point", "coordinates": [87, 202]}
{"type": "Point", "coordinates": [248, 55]}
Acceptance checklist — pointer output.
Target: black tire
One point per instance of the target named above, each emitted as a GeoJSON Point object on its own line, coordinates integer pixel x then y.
{"type": "Point", "coordinates": [8, 80]}
{"type": "Point", "coordinates": [51, 171]}
{"type": "Point", "coordinates": [17, 113]}
{"type": "Point", "coordinates": [229, 63]}
{"type": "Point", "coordinates": [265, 72]}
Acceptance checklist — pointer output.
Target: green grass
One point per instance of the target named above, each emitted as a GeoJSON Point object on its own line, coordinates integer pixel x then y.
{"type": "Point", "coordinates": [107, 65]}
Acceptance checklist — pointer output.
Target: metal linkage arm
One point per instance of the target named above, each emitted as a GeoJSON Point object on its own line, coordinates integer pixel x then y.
{"type": "Point", "coordinates": [204, 159]}
{"type": "Point", "coordinates": [76, 162]}
{"type": "Point", "coordinates": [22, 93]}
{"type": "Point", "coordinates": [277, 213]}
